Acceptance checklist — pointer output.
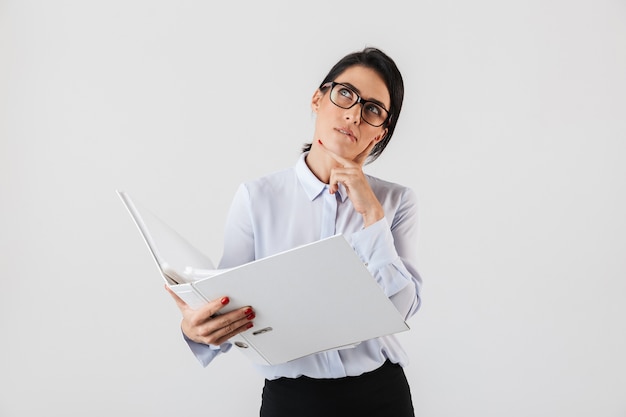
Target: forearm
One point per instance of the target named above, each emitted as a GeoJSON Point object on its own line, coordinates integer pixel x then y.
{"type": "Point", "coordinates": [395, 275]}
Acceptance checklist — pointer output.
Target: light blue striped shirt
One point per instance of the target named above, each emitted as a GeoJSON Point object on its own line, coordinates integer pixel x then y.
{"type": "Point", "coordinates": [293, 207]}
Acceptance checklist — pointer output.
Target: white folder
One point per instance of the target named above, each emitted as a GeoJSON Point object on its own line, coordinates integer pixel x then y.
{"type": "Point", "coordinates": [308, 299]}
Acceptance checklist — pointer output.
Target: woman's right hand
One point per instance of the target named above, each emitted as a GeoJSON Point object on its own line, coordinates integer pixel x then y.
{"type": "Point", "coordinates": [202, 326]}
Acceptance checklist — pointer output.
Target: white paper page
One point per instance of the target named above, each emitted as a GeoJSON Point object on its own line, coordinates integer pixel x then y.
{"type": "Point", "coordinates": [172, 253]}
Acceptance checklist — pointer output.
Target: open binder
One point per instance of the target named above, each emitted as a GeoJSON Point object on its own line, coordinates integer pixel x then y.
{"type": "Point", "coordinates": [308, 299]}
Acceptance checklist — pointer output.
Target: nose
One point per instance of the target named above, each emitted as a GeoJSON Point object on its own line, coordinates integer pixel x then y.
{"type": "Point", "coordinates": [353, 114]}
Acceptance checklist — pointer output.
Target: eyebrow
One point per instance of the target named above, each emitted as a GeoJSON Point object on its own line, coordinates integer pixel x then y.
{"type": "Point", "coordinates": [371, 100]}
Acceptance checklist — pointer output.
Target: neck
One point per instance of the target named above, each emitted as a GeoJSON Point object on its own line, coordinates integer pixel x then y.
{"type": "Point", "coordinates": [320, 165]}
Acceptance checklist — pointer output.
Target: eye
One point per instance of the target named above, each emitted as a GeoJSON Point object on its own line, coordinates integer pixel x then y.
{"type": "Point", "coordinates": [346, 93]}
{"type": "Point", "coordinates": [373, 109]}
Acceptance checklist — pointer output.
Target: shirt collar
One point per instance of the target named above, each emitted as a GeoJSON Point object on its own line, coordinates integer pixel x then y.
{"type": "Point", "coordinates": [313, 187]}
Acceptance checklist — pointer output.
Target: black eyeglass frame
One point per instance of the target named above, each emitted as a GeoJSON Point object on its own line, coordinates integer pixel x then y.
{"type": "Point", "coordinates": [359, 99]}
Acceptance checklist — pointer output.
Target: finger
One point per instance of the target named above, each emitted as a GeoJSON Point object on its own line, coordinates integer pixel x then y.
{"type": "Point", "coordinates": [211, 308]}
{"type": "Point", "coordinates": [182, 305]}
{"type": "Point", "coordinates": [362, 157]}
{"type": "Point", "coordinates": [222, 327]}
{"type": "Point", "coordinates": [205, 311]}
{"type": "Point", "coordinates": [236, 330]}
{"type": "Point", "coordinates": [359, 160]}
{"type": "Point", "coordinates": [343, 161]}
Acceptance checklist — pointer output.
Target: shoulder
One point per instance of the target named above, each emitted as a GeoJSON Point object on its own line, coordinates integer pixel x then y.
{"type": "Point", "coordinates": [277, 180]}
{"type": "Point", "coordinates": [388, 190]}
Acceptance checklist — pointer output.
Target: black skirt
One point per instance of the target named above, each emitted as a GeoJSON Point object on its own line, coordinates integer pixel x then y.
{"type": "Point", "coordinates": [383, 392]}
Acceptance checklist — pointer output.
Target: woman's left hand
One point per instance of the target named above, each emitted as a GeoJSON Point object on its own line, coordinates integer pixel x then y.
{"type": "Point", "coordinates": [350, 174]}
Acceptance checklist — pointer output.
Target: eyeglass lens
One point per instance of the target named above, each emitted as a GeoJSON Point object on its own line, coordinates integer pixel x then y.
{"type": "Point", "coordinates": [344, 97]}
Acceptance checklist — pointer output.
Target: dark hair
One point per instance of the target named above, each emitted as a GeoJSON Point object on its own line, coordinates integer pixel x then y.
{"type": "Point", "coordinates": [378, 61]}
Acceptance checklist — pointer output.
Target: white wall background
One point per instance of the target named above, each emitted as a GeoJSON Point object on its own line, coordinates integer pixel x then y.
{"type": "Point", "coordinates": [513, 134]}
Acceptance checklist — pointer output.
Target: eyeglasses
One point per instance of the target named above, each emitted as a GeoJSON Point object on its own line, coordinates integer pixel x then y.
{"type": "Point", "coordinates": [345, 97]}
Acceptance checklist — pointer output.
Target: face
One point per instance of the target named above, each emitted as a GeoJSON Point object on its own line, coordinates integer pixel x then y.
{"type": "Point", "coordinates": [343, 130]}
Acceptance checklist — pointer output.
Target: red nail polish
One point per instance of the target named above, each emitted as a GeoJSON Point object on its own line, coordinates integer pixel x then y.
{"type": "Point", "coordinates": [247, 311]}
{"type": "Point", "coordinates": [249, 325]}
{"type": "Point", "coordinates": [225, 301]}
{"type": "Point", "coordinates": [251, 316]}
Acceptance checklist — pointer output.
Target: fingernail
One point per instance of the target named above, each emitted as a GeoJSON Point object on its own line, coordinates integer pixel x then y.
{"type": "Point", "coordinates": [251, 316]}
{"type": "Point", "coordinates": [247, 311]}
{"type": "Point", "coordinates": [249, 325]}
{"type": "Point", "coordinates": [225, 301]}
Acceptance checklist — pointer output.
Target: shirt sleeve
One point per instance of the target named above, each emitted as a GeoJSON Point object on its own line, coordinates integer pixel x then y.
{"type": "Point", "coordinates": [238, 233]}
{"type": "Point", "coordinates": [238, 249]}
{"type": "Point", "coordinates": [388, 249]}
{"type": "Point", "coordinates": [206, 353]}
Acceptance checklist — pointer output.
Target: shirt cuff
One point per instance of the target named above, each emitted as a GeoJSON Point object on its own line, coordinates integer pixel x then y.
{"type": "Point", "coordinates": [374, 245]}
{"type": "Point", "coordinates": [206, 353]}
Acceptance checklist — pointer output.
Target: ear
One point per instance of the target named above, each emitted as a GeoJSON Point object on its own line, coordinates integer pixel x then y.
{"type": "Point", "coordinates": [381, 136]}
{"type": "Point", "coordinates": [316, 100]}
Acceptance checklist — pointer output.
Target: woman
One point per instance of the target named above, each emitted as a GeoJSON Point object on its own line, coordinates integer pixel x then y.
{"type": "Point", "coordinates": [357, 107]}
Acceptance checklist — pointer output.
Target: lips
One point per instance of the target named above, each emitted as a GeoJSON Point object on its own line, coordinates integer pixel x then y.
{"type": "Point", "coordinates": [348, 133]}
